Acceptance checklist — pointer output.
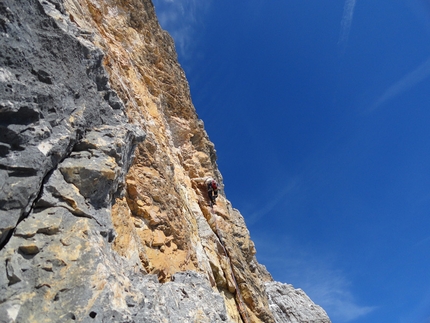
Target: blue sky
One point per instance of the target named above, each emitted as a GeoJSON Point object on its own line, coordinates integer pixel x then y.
{"type": "Point", "coordinates": [319, 111]}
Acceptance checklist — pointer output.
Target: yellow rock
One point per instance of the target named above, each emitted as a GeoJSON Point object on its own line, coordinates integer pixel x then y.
{"type": "Point", "coordinates": [161, 217]}
{"type": "Point", "coordinates": [158, 238]}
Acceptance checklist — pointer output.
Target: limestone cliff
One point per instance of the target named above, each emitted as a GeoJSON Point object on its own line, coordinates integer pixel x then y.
{"type": "Point", "coordinates": [104, 215]}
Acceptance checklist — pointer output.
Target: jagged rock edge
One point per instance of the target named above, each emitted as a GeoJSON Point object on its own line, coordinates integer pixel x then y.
{"type": "Point", "coordinates": [43, 77]}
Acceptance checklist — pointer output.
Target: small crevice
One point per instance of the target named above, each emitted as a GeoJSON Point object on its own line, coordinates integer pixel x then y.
{"type": "Point", "coordinates": [6, 239]}
{"type": "Point", "coordinates": [19, 171]}
{"type": "Point", "coordinates": [25, 214]}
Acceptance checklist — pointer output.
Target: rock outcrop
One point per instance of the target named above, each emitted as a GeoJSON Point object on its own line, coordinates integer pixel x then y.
{"type": "Point", "coordinates": [104, 215]}
{"type": "Point", "coordinates": [290, 305]}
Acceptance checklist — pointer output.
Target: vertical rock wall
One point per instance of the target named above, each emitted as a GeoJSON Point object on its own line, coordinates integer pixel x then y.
{"type": "Point", "coordinates": [87, 232]}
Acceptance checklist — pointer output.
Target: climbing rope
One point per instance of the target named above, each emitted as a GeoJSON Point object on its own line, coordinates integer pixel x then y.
{"type": "Point", "coordinates": [239, 299]}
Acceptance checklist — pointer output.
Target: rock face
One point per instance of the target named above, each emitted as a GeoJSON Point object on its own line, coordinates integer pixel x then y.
{"type": "Point", "coordinates": [291, 305]}
{"type": "Point", "coordinates": [104, 214]}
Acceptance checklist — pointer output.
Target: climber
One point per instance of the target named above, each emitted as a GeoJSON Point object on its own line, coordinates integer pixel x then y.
{"type": "Point", "coordinates": [212, 186]}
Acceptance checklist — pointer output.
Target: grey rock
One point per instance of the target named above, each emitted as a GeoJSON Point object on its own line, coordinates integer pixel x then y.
{"type": "Point", "coordinates": [53, 90]}
{"type": "Point", "coordinates": [70, 273]}
{"type": "Point", "coordinates": [184, 299]}
{"type": "Point", "coordinates": [290, 305]}
{"type": "Point", "coordinates": [65, 148]}
{"type": "Point", "coordinates": [64, 155]}
{"type": "Point", "coordinates": [57, 192]}
{"type": "Point", "coordinates": [12, 272]}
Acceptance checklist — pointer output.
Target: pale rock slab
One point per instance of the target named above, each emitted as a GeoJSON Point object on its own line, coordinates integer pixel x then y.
{"type": "Point", "coordinates": [290, 305]}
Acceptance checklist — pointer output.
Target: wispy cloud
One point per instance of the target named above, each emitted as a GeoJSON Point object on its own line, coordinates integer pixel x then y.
{"type": "Point", "coordinates": [271, 204]}
{"type": "Point", "coordinates": [332, 290]}
{"type": "Point", "coordinates": [182, 19]}
{"type": "Point", "coordinates": [345, 25]}
{"type": "Point", "coordinates": [316, 274]}
{"type": "Point", "coordinates": [410, 80]}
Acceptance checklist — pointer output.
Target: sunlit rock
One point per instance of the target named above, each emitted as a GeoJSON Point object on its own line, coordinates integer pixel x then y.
{"type": "Point", "coordinates": [290, 305]}
{"type": "Point", "coordinates": [104, 214]}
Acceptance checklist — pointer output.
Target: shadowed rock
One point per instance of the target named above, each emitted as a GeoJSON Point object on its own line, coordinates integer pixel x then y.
{"type": "Point", "coordinates": [53, 89]}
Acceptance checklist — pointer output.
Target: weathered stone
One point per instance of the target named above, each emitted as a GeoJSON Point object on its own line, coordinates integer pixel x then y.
{"type": "Point", "coordinates": [48, 100]}
{"type": "Point", "coordinates": [88, 233]}
{"type": "Point", "coordinates": [12, 272]}
{"type": "Point", "coordinates": [29, 249]}
{"type": "Point", "coordinates": [93, 175]}
{"type": "Point", "coordinates": [291, 305]}
{"type": "Point", "coordinates": [57, 192]}
{"type": "Point", "coordinates": [48, 224]}
{"type": "Point", "coordinates": [158, 239]}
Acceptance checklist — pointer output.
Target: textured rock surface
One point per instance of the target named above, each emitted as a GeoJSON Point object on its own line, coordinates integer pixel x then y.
{"type": "Point", "coordinates": [87, 232]}
{"type": "Point", "coordinates": [53, 90]}
{"type": "Point", "coordinates": [291, 305]}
